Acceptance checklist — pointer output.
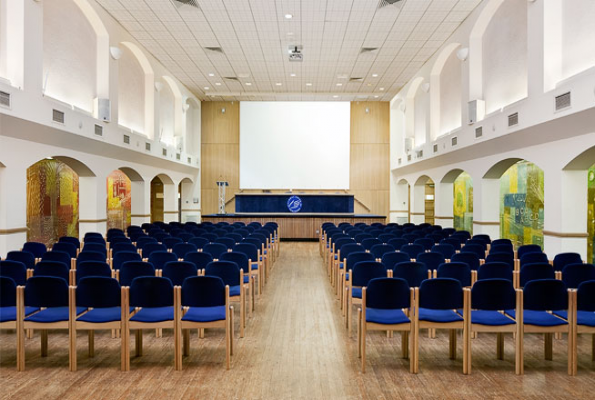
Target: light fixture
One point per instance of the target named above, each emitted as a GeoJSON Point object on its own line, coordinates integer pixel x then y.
{"type": "Point", "coordinates": [217, 83]}
{"type": "Point", "coordinates": [339, 84]}
{"type": "Point", "coordinates": [185, 107]}
{"type": "Point", "coordinates": [376, 96]}
{"type": "Point", "coordinates": [308, 84]}
{"type": "Point", "coordinates": [381, 89]}
{"type": "Point", "coordinates": [211, 74]}
{"type": "Point", "coordinates": [115, 52]}
{"type": "Point", "coordinates": [158, 86]}
{"type": "Point", "coordinates": [425, 87]}
{"type": "Point", "coordinates": [207, 88]}
{"type": "Point", "coordinates": [367, 110]}
{"type": "Point", "coordinates": [292, 74]}
{"type": "Point", "coordinates": [223, 110]}
{"type": "Point", "coordinates": [463, 53]}
{"type": "Point", "coordinates": [335, 97]}
{"type": "Point", "coordinates": [248, 83]}
{"type": "Point", "coordinates": [278, 83]}
{"type": "Point", "coordinates": [374, 75]}
{"type": "Point", "coordinates": [288, 16]}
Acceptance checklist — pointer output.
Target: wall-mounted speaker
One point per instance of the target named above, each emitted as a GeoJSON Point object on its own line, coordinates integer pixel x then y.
{"type": "Point", "coordinates": [103, 107]}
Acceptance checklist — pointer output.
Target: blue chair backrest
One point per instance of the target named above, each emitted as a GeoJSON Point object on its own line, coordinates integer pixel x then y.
{"type": "Point", "coordinates": [120, 247]}
{"type": "Point", "coordinates": [493, 295]}
{"type": "Point", "coordinates": [143, 240]}
{"type": "Point", "coordinates": [185, 236]}
{"type": "Point", "coordinates": [479, 242]}
{"type": "Point", "coordinates": [446, 249]}
{"type": "Point", "coordinates": [388, 294]}
{"type": "Point", "coordinates": [448, 231]}
{"type": "Point", "coordinates": [92, 268]}
{"type": "Point", "coordinates": [470, 259]}
{"type": "Point", "coordinates": [51, 268]}
{"type": "Point", "coordinates": [426, 243]}
{"type": "Point", "coordinates": [227, 270]}
{"type": "Point", "coordinates": [55, 255]}
{"type": "Point", "coordinates": [97, 247]}
{"type": "Point", "coordinates": [575, 274]}
{"type": "Point", "coordinates": [362, 236]}
{"type": "Point", "coordinates": [244, 232]}
{"type": "Point", "coordinates": [15, 270]}
{"type": "Point", "coordinates": [357, 256]}
{"type": "Point", "coordinates": [441, 294]}
{"type": "Point", "coordinates": [483, 237]}
{"type": "Point", "coordinates": [90, 256]}
{"type": "Point", "coordinates": [123, 256]}
{"type": "Point", "coordinates": [474, 248]}
{"type": "Point", "coordinates": [26, 257]}
{"type": "Point", "coordinates": [364, 271]}
{"type": "Point", "coordinates": [256, 242]}
{"type": "Point", "coordinates": [431, 260]}
{"type": "Point", "coordinates": [98, 292]}
{"type": "Point", "coordinates": [502, 248]}
{"type": "Point", "coordinates": [68, 248]}
{"type": "Point", "coordinates": [199, 242]}
{"type": "Point", "coordinates": [237, 257]}
{"type": "Point", "coordinates": [70, 239]}
{"type": "Point", "coordinates": [215, 249]}
{"type": "Point", "coordinates": [343, 242]}
{"type": "Point", "coordinates": [148, 248]}
{"type": "Point", "coordinates": [505, 242]}
{"type": "Point", "coordinates": [397, 243]}
{"type": "Point", "coordinates": [348, 248]}
{"type": "Point", "coordinates": [464, 234]}
{"type": "Point", "coordinates": [390, 259]}
{"type": "Point", "coordinates": [507, 258]}
{"type": "Point", "coordinates": [203, 291]}
{"type": "Point", "coordinates": [532, 258]}
{"type": "Point", "coordinates": [36, 248]}
{"type": "Point", "coordinates": [159, 258]}
{"type": "Point", "coordinates": [93, 240]}
{"type": "Point", "coordinates": [200, 260]}
{"type": "Point", "coordinates": [151, 291]}
{"type": "Point", "coordinates": [453, 241]}
{"type": "Point", "coordinates": [250, 250]}
{"type": "Point", "coordinates": [545, 294]}
{"type": "Point", "coordinates": [495, 270]}
{"type": "Point", "coordinates": [93, 235]}
{"type": "Point", "coordinates": [586, 296]}
{"type": "Point", "coordinates": [46, 291]}
{"type": "Point", "coordinates": [369, 243]}
{"type": "Point", "coordinates": [8, 292]}
{"type": "Point", "coordinates": [177, 271]}
{"type": "Point", "coordinates": [563, 259]}
{"type": "Point", "coordinates": [385, 237]}
{"type": "Point", "coordinates": [413, 272]}
{"type": "Point", "coordinates": [411, 237]}
{"type": "Point", "coordinates": [236, 237]}
{"type": "Point", "coordinates": [181, 249]}
{"type": "Point", "coordinates": [118, 240]}
{"type": "Point", "coordinates": [381, 249]}
{"type": "Point", "coordinates": [528, 248]}
{"type": "Point", "coordinates": [169, 242]}
{"type": "Point", "coordinates": [209, 236]}
{"type": "Point", "coordinates": [412, 249]}
{"type": "Point", "coordinates": [455, 270]}
{"type": "Point", "coordinates": [226, 241]}
{"type": "Point", "coordinates": [133, 269]}
{"type": "Point", "coordinates": [530, 272]}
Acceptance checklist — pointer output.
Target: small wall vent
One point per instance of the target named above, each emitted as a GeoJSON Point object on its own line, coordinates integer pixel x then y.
{"type": "Point", "coordinates": [513, 119]}
{"type": "Point", "coordinates": [164, 152]}
{"type": "Point", "coordinates": [408, 157]}
{"type": "Point", "coordinates": [126, 139]}
{"type": "Point", "coordinates": [147, 146]}
{"type": "Point", "coordinates": [563, 101]}
{"type": "Point", "coordinates": [419, 154]}
{"type": "Point", "coordinates": [178, 156]}
{"type": "Point", "coordinates": [479, 132]}
{"type": "Point", "coordinates": [435, 148]}
{"type": "Point", "coordinates": [98, 130]}
{"type": "Point", "coordinates": [189, 160]}
{"type": "Point", "coordinates": [4, 99]}
{"type": "Point", "coordinates": [454, 141]}
{"type": "Point", "coordinates": [58, 116]}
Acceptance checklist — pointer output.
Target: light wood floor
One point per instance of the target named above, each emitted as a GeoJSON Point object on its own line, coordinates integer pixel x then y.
{"type": "Point", "coordinates": [296, 347]}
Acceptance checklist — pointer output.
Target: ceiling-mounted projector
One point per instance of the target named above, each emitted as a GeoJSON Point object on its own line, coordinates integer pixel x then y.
{"type": "Point", "coordinates": [295, 54]}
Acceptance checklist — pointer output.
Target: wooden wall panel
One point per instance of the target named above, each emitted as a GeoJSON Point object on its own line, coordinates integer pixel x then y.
{"type": "Point", "coordinates": [220, 152]}
{"type": "Point", "coordinates": [369, 158]}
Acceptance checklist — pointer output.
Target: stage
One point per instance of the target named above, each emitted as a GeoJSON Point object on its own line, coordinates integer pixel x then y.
{"type": "Point", "coordinates": [296, 225]}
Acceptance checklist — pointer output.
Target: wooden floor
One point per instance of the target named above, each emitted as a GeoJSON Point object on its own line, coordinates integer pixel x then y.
{"type": "Point", "coordinates": [296, 347]}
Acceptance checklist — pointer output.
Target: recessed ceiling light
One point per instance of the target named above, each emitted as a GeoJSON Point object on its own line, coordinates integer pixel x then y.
{"type": "Point", "coordinates": [289, 33]}
{"type": "Point", "coordinates": [248, 83]}
{"type": "Point", "coordinates": [288, 16]}
{"type": "Point", "coordinates": [278, 83]}
{"type": "Point", "coordinates": [217, 83]}
{"type": "Point", "coordinates": [335, 97]}
{"type": "Point", "coordinates": [339, 84]}
{"type": "Point", "coordinates": [376, 96]}
{"type": "Point", "coordinates": [374, 75]}
{"type": "Point", "coordinates": [207, 88]}
{"type": "Point", "coordinates": [292, 74]}
{"type": "Point", "coordinates": [308, 84]}
{"type": "Point", "coordinates": [211, 74]}
{"type": "Point", "coordinates": [381, 89]}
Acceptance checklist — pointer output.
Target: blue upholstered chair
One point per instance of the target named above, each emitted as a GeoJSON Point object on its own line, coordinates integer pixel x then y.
{"type": "Point", "coordinates": [533, 271]}
{"type": "Point", "coordinates": [25, 257]}
{"type": "Point", "coordinates": [431, 260]}
{"type": "Point", "coordinates": [123, 256]}
{"type": "Point", "coordinates": [413, 272]}
{"type": "Point", "coordinates": [503, 247]}
{"type": "Point", "coordinates": [66, 247]}
{"type": "Point", "coordinates": [470, 259]}
{"type": "Point", "coordinates": [169, 242]}
{"type": "Point", "coordinates": [455, 242]}
{"type": "Point", "coordinates": [215, 249]}
{"type": "Point", "coordinates": [243, 262]}
{"type": "Point", "coordinates": [119, 247]}
{"type": "Point", "coordinates": [390, 259]}
{"type": "Point", "coordinates": [456, 270]}
{"type": "Point", "coordinates": [134, 269]}
{"type": "Point", "coordinates": [181, 249]}
{"type": "Point", "coordinates": [446, 249]}
{"type": "Point", "coordinates": [563, 259]}
{"type": "Point", "coordinates": [359, 275]}
{"type": "Point", "coordinates": [150, 247]}
{"type": "Point", "coordinates": [413, 250]}
{"type": "Point", "coordinates": [70, 239]}
{"type": "Point", "coordinates": [532, 258]}
{"type": "Point", "coordinates": [227, 241]}
{"type": "Point", "coordinates": [60, 256]}
{"type": "Point", "coordinates": [199, 242]}
{"type": "Point", "coordinates": [90, 256]}
{"type": "Point", "coordinates": [582, 318]}
{"type": "Point", "coordinates": [505, 257]}
{"type": "Point", "coordinates": [387, 306]}
{"type": "Point", "coordinates": [475, 248]}
{"type": "Point", "coordinates": [90, 268]}
{"type": "Point", "coordinates": [381, 249]}
{"type": "Point", "coordinates": [177, 271]}
{"type": "Point", "coordinates": [15, 270]}
{"type": "Point", "coordinates": [574, 274]}
{"type": "Point", "coordinates": [426, 243]}
{"type": "Point", "coordinates": [528, 248]}
{"type": "Point", "coordinates": [52, 268]}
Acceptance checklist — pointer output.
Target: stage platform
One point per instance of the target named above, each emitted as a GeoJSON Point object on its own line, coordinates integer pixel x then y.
{"type": "Point", "coordinates": [296, 225]}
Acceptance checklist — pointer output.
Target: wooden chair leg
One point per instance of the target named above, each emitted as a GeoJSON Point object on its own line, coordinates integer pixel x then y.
{"type": "Point", "coordinates": [500, 346]}
{"type": "Point", "coordinates": [242, 316]}
{"type": "Point", "coordinates": [186, 340]}
{"type": "Point", "coordinates": [29, 333]}
{"type": "Point", "coordinates": [452, 344]}
{"type": "Point", "coordinates": [72, 349]}
{"type": "Point", "coordinates": [359, 332]}
{"type": "Point", "coordinates": [228, 343]}
{"type": "Point", "coordinates": [548, 346]}
{"type": "Point", "coordinates": [592, 347]}
{"type": "Point", "coordinates": [91, 337]}
{"type": "Point", "coordinates": [232, 331]}
{"type": "Point", "coordinates": [44, 342]}
{"type": "Point", "coordinates": [405, 344]}
{"type": "Point", "coordinates": [201, 333]}
{"type": "Point", "coordinates": [138, 343]}
{"type": "Point", "coordinates": [519, 349]}
{"type": "Point", "coordinates": [363, 346]}
{"type": "Point", "coordinates": [158, 332]}
{"type": "Point", "coordinates": [20, 347]}
{"type": "Point", "coordinates": [125, 350]}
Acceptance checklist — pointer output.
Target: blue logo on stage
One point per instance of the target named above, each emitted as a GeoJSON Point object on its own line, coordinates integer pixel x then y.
{"type": "Point", "coordinates": [294, 204]}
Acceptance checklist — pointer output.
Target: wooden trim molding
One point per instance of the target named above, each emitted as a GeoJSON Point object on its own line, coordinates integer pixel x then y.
{"type": "Point", "coordinates": [438, 217]}
{"type": "Point", "coordinates": [140, 215]}
{"type": "Point", "coordinates": [12, 231]}
{"type": "Point", "coordinates": [399, 211]}
{"type": "Point", "coordinates": [487, 223]}
{"type": "Point", "coordinates": [92, 221]}
{"type": "Point", "coordinates": [190, 210]}
{"type": "Point", "coordinates": [417, 213]}
{"type": "Point", "coordinates": [564, 235]}
{"type": "Point", "coordinates": [170, 212]}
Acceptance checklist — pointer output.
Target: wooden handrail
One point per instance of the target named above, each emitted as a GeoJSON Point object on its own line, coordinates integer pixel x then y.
{"type": "Point", "coordinates": [230, 200]}
{"type": "Point", "coordinates": [362, 204]}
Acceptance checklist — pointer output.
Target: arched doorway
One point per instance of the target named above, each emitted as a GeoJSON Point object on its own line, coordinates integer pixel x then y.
{"type": "Point", "coordinates": [119, 200]}
{"type": "Point", "coordinates": [429, 199]}
{"type": "Point", "coordinates": [423, 200]}
{"type": "Point", "coordinates": [463, 202]}
{"type": "Point", "coordinates": [52, 201]}
{"type": "Point", "coordinates": [591, 215]}
{"type": "Point", "coordinates": [157, 200]}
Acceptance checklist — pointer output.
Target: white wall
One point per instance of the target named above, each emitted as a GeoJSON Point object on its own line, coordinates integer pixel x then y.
{"type": "Point", "coordinates": [167, 115]}
{"type": "Point", "coordinates": [131, 92]}
{"type": "Point", "coordinates": [450, 95]}
{"type": "Point", "coordinates": [422, 106]}
{"type": "Point", "coordinates": [578, 36]}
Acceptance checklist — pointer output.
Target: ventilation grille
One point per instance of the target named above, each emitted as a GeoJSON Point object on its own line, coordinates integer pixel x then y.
{"type": "Point", "coordinates": [368, 50]}
{"type": "Point", "coordinates": [98, 130]}
{"type": "Point", "coordinates": [164, 152]}
{"type": "Point", "coordinates": [408, 157]}
{"type": "Point", "coordinates": [384, 3]}
{"type": "Point", "coordinates": [513, 119]}
{"type": "Point", "coordinates": [147, 146]}
{"type": "Point", "coordinates": [126, 139]}
{"type": "Point", "coordinates": [454, 141]}
{"type": "Point", "coordinates": [231, 78]}
{"type": "Point", "coordinates": [189, 160]}
{"type": "Point", "coordinates": [178, 156]}
{"type": "Point", "coordinates": [4, 99]}
{"type": "Point", "coordinates": [435, 148]}
{"type": "Point", "coordinates": [58, 116]}
{"type": "Point", "coordinates": [563, 101]}
{"type": "Point", "coordinates": [479, 132]}
{"type": "Point", "coordinates": [352, 79]}
{"type": "Point", "coordinates": [181, 3]}
{"type": "Point", "coordinates": [214, 49]}
{"type": "Point", "coordinates": [399, 161]}
{"type": "Point", "coordinates": [419, 154]}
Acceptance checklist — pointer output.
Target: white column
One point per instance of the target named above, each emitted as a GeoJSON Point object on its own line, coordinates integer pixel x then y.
{"type": "Point", "coordinates": [140, 208]}
{"type": "Point", "coordinates": [418, 204]}
{"type": "Point", "coordinates": [170, 202]}
{"type": "Point", "coordinates": [190, 208]}
{"type": "Point", "coordinates": [443, 204]}
{"type": "Point", "coordinates": [400, 212]}
{"type": "Point", "coordinates": [92, 205]}
{"type": "Point", "coordinates": [486, 207]}
{"type": "Point", "coordinates": [13, 209]}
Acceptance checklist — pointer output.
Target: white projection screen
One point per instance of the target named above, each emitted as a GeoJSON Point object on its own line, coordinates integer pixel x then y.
{"type": "Point", "coordinates": [294, 145]}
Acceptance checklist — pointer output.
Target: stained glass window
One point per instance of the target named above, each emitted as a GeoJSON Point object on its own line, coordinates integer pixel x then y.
{"type": "Point", "coordinates": [118, 201]}
{"type": "Point", "coordinates": [463, 203]}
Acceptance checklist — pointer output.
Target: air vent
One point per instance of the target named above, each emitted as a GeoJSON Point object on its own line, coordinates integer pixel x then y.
{"type": "Point", "coordinates": [58, 116]}
{"type": "Point", "coordinates": [563, 101]}
{"type": "Point", "coordinates": [479, 132]}
{"type": "Point", "coordinates": [164, 152]}
{"type": "Point", "coordinates": [4, 99]}
{"type": "Point", "coordinates": [147, 146]}
{"type": "Point", "coordinates": [513, 119]}
{"type": "Point", "coordinates": [214, 49]}
{"type": "Point", "coordinates": [435, 148]}
{"type": "Point", "coordinates": [408, 157]}
{"type": "Point", "coordinates": [182, 3]}
{"type": "Point", "coordinates": [384, 3]}
{"type": "Point", "coordinates": [368, 50]}
{"type": "Point", "coordinates": [98, 130]}
{"type": "Point", "coordinates": [399, 161]}
{"type": "Point", "coordinates": [178, 156]}
{"type": "Point", "coordinates": [356, 79]}
{"type": "Point", "coordinates": [189, 160]}
{"type": "Point", "coordinates": [126, 139]}
{"type": "Point", "coordinates": [419, 154]}
{"type": "Point", "coordinates": [454, 141]}
{"type": "Point", "coordinates": [231, 78]}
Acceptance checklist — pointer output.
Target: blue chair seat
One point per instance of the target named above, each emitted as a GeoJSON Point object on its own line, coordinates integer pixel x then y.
{"type": "Point", "coordinates": [491, 318]}
{"type": "Point", "coordinates": [205, 314]}
{"type": "Point", "coordinates": [246, 279]}
{"type": "Point", "coordinates": [336, 255]}
{"type": "Point", "coordinates": [356, 292]}
{"type": "Point", "coordinates": [100, 315]}
{"type": "Point", "coordinates": [10, 313]}
{"type": "Point", "coordinates": [427, 314]}
{"type": "Point", "coordinates": [255, 265]}
{"type": "Point", "coordinates": [586, 318]}
{"type": "Point", "coordinates": [347, 276]}
{"type": "Point", "coordinates": [234, 291]}
{"type": "Point", "coordinates": [340, 265]}
{"type": "Point", "coordinates": [53, 314]}
{"type": "Point", "coordinates": [387, 317]}
{"type": "Point", "coordinates": [539, 318]}
{"type": "Point", "coordinates": [154, 314]}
